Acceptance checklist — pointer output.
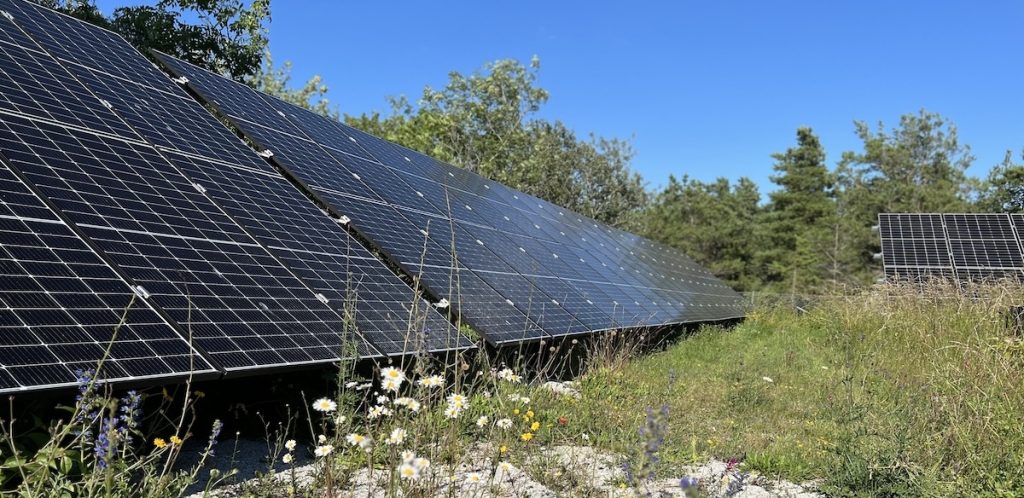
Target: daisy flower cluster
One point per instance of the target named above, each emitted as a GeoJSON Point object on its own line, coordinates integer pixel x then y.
{"type": "Point", "coordinates": [412, 466]}
{"type": "Point", "coordinates": [289, 447]}
{"type": "Point", "coordinates": [457, 403]}
{"type": "Point", "coordinates": [507, 375]}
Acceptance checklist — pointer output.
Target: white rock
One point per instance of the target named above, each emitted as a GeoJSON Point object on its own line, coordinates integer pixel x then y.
{"type": "Point", "coordinates": [753, 492]}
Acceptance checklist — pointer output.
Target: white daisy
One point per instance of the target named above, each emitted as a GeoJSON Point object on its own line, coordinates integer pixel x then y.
{"type": "Point", "coordinates": [383, 400]}
{"type": "Point", "coordinates": [505, 423]}
{"type": "Point", "coordinates": [392, 373]}
{"type": "Point", "coordinates": [409, 403]}
{"type": "Point", "coordinates": [473, 478]}
{"type": "Point", "coordinates": [289, 445]}
{"type": "Point", "coordinates": [287, 458]}
{"type": "Point", "coordinates": [408, 456]}
{"type": "Point", "coordinates": [508, 375]}
{"type": "Point", "coordinates": [356, 439]}
{"type": "Point", "coordinates": [458, 401]}
{"type": "Point", "coordinates": [482, 421]}
{"type": "Point", "coordinates": [321, 439]}
{"type": "Point", "coordinates": [408, 471]}
{"type": "Point", "coordinates": [324, 405]}
{"type": "Point", "coordinates": [322, 451]}
{"type": "Point", "coordinates": [397, 436]}
{"type": "Point", "coordinates": [452, 412]}
{"type": "Point", "coordinates": [390, 385]}
{"type": "Point", "coordinates": [432, 381]}
{"type": "Point", "coordinates": [421, 463]}
{"type": "Point", "coordinates": [378, 412]}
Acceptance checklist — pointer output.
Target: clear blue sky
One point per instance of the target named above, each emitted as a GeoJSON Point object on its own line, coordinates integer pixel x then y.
{"type": "Point", "coordinates": [704, 88]}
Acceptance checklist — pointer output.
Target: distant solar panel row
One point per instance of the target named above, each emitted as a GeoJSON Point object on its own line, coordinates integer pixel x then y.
{"type": "Point", "coordinates": [517, 267]}
{"type": "Point", "coordinates": [966, 247]}
{"type": "Point", "coordinates": [136, 229]}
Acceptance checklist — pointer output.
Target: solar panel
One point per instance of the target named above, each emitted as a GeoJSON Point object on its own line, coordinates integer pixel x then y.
{"type": "Point", "coordinates": [214, 280]}
{"type": "Point", "coordinates": [308, 241]}
{"type": "Point", "coordinates": [392, 194]}
{"type": "Point", "coordinates": [62, 309]}
{"type": "Point", "coordinates": [968, 246]}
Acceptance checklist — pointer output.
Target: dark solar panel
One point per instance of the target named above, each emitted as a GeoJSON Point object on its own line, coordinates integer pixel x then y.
{"type": "Point", "coordinates": [575, 286]}
{"type": "Point", "coordinates": [61, 306]}
{"type": "Point", "coordinates": [308, 241]}
{"type": "Point", "coordinates": [240, 304]}
{"type": "Point", "coordinates": [969, 247]}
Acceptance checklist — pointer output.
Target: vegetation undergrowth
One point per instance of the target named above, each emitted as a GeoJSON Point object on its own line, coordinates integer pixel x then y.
{"type": "Point", "coordinates": [892, 392]}
{"type": "Point", "coordinates": [895, 392]}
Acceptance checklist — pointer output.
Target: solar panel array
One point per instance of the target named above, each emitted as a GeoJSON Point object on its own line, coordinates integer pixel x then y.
{"type": "Point", "coordinates": [515, 266]}
{"type": "Point", "coordinates": [967, 247]}
{"type": "Point", "coordinates": [137, 230]}
{"type": "Point", "coordinates": [234, 257]}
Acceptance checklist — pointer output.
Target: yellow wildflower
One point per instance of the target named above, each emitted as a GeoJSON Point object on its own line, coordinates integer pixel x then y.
{"type": "Point", "coordinates": [159, 443]}
{"type": "Point", "coordinates": [526, 436]}
{"type": "Point", "coordinates": [529, 413]}
{"type": "Point", "coordinates": [515, 412]}
{"type": "Point", "coordinates": [534, 426]}
{"type": "Point", "coordinates": [175, 440]}
{"type": "Point", "coordinates": [503, 449]}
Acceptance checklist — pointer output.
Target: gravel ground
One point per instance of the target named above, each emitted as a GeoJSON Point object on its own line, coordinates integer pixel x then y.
{"type": "Point", "coordinates": [572, 471]}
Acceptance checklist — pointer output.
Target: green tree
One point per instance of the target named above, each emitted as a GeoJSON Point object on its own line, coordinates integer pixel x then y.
{"type": "Point", "coordinates": [714, 223]}
{"type": "Point", "coordinates": [798, 217]}
{"type": "Point", "coordinates": [1004, 190]}
{"type": "Point", "coordinates": [919, 166]}
{"type": "Point", "coordinates": [229, 36]}
{"type": "Point", "coordinates": [487, 123]}
{"type": "Point", "coordinates": [277, 81]}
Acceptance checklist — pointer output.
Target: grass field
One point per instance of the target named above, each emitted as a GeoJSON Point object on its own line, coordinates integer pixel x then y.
{"type": "Point", "coordinates": [895, 392]}
{"type": "Point", "coordinates": [892, 393]}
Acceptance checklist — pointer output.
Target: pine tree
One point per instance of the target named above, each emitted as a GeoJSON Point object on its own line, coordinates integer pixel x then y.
{"type": "Point", "coordinates": [797, 219]}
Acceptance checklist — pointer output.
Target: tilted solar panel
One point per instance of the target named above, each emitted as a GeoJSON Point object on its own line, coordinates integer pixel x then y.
{"type": "Point", "coordinates": [217, 283]}
{"type": "Point", "coordinates": [963, 246]}
{"type": "Point", "coordinates": [564, 287]}
{"type": "Point", "coordinates": [311, 244]}
{"type": "Point", "coordinates": [63, 309]}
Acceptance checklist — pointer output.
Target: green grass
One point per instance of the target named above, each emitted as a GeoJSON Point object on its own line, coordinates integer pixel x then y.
{"type": "Point", "coordinates": [893, 393]}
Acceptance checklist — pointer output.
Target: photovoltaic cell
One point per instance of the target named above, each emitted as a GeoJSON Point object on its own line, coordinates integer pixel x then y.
{"type": "Point", "coordinates": [277, 214]}
{"type": "Point", "coordinates": [968, 247]}
{"type": "Point", "coordinates": [62, 307]}
{"type": "Point", "coordinates": [212, 279]}
{"type": "Point", "coordinates": [561, 271]}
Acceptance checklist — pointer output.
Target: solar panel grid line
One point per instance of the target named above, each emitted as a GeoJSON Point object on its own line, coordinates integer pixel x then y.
{"type": "Point", "coordinates": [960, 246]}
{"type": "Point", "coordinates": [412, 255]}
{"type": "Point", "coordinates": [982, 240]}
{"type": "Point", "coordinates": [77, 47]}
{"type": "Point", "coordinates": [326, 270]}
{"type": "Point", "coordinates": [462, 182]}
{"type": "Point", "coordinates": [472, 222]}
{"type": "Point", "coordinates": [203, 122]}
{"type": "Point", "coordinates": [276, 354]}
{"type": "Point", "coordinates": [409, 259]}
{"type": "Point", "coordinates": [64, 261]}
